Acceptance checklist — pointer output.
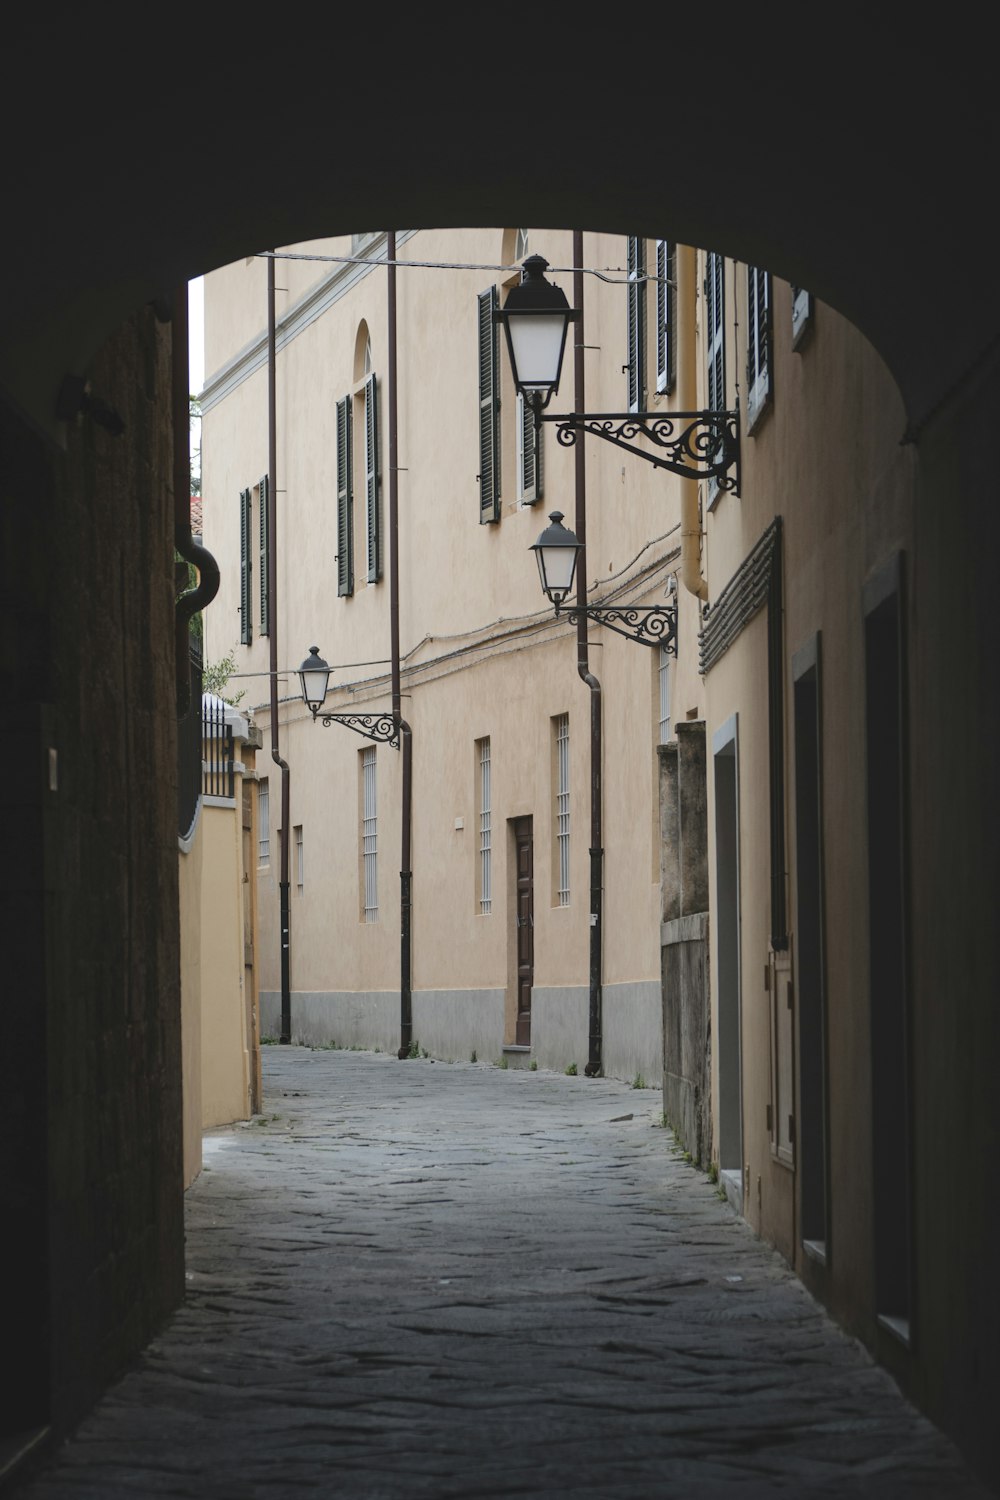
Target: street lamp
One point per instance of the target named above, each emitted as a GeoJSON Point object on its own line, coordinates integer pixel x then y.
{"type": "Point", "coordinates": [691, 444]}
{"type": "Point", "coordinates": [535, 318]}
{"type": "Point", "coordinates": [556, 552]}
{"type": "Point", "coordinates": [314, 676]}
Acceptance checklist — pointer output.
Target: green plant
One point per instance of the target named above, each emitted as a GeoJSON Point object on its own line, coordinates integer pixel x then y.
{"type": "Point", "coordinates": [534, 1065]}
{"type": "Point", "coordinates": [424, 1052]}
{"type": "Point", "coordinates": [414, 1051]}
{"type": "Point", "coordinates": [571, 1071]}
{"type": "Point", "coordinates": [269, 1041]}
{"type": "Point", "coordinates": [215, 675]}
{"type": "Point", "coordinates": [503, 1063]}
{"type": "Point", "coordinates": [713, 1172]}
{"type": "Point", "coordinates": [638, 1082]}
{"type": "Point", "coordinates": [472, 1056]}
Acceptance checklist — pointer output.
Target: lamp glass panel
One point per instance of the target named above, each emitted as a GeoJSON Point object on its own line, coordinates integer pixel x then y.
{"type": "Point", "coordinates": [557, 566]}
{"type": "Point", "coordinates": [314, 687]}
{"type": "Point", "coordinates": [537, 344]}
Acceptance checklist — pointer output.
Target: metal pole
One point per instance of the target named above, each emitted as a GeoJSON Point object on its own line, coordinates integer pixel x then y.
{"type": "Point", "coordinates": [272, 595]}
{"type": "Point", "coordinates": [594, 1060]}
{"type": "Point", "coordinates": [405, 736]}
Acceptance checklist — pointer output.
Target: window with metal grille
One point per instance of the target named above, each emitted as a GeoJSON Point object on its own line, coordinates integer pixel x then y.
{"type": "Point", "coordinates": [666, 315]}
{"type": "Point", "coordinates": [663, 675]}
{"type": "Point", "coordinates": [300, 865]}
{"type": "Point", "coordinates": [715, 343]}
{"type": "Point", "coordinates": [263, 823]}
{"type": "Point", "coordinates": [560, 726]}
{"type": "Point", "coordinates": [345, 500]}
{"type": "Point", "coordinates": [246, 568]}
{"type": "Point", "coordinates": [758, 343]}
{"type": "Point", "coordinates": [369, 834]}
{"type": "Point", "coordinates": [529, 455]}
{"type": "Point", "coordinates": [636, 367]}
{"type": "Point", "coordinates": [489, 409]}
{"type": "Point", "coordinates": [485, 829]}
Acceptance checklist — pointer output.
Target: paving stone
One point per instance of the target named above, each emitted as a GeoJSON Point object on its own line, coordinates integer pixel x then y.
{"type": "Point", "coordinates": [428, 1279]}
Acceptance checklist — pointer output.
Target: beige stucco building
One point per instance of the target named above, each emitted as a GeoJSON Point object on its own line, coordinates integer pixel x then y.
{"type": "Point", "coordinates": [500, 718]}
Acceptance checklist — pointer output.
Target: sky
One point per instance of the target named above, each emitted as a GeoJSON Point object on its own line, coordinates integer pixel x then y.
{"type": "Point", "coordinates": [196, 334]}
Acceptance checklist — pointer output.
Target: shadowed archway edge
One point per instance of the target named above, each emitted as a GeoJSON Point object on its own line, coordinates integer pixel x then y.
{"type": "Point", "coordinates": [850, 169]}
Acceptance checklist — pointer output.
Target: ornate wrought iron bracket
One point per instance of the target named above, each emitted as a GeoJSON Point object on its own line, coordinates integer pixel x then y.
{"type": "Point", "coordinates": [384, 728]}
{"type": "Point", "coordinates": [649, 624]}
{"type": "Point", "coordinates": [693, 444]}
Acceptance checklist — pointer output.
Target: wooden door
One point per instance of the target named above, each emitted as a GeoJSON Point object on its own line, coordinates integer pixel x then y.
{"type": "Point", "coordinates": [524, 907]}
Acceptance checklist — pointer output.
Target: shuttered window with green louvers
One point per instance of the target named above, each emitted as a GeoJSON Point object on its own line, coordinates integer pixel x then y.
{"type": "Point", "coordinates": [715, 344]}
{"type": "Point", "coordinates": [373, 497]}
{"type": "Point", "coordinates": [758, 343]}
{"type": "Point", "coordinates": [246, 569]}
{"type": "Point", "coordinates": [489, 409]}
{"type": "Point", "coordinates": [345, 500]}
{"type": "Point", "coordinates": [265, 556]}
{"type": "Point", "coordinates": [529, 455]}
{"type": "Point", "coordinates": [636, 367]}
{"type": "Point", "coordinates": [666, 316]}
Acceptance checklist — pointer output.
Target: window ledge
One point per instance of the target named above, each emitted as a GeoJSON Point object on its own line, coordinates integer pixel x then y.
{"type": "Point", "coordinates": [898, 1327]}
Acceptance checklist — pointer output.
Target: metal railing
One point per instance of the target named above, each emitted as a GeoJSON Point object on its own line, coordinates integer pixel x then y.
{"type": "Point", "coordinates": [218, 777]}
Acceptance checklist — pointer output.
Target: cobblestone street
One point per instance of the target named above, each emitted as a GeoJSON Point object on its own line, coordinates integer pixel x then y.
{"type": "Point", "coordinates": [431, 1279]}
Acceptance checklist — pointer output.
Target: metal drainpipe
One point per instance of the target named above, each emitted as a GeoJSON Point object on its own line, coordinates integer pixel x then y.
{"type": "Point", "coordinates": [272, 598]}
{"type": "Point", "coordinates": [687, 400]}
{"type": "Point", "coordinates": [594, 1060]}
{"type": "Point", "coordinates": [405, 735]}
{"type": "Point", "coordinates": [208, 569]}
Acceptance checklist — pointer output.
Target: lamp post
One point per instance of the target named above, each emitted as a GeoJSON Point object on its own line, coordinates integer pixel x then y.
{"type": "Point", "coordinates": [556, 552]}
{"type": "Point", "coordinates": [691, 444]}
{"type": "Point", "coordinates": [314, 678]}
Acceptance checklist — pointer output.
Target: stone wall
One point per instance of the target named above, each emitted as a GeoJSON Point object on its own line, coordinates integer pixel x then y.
{"type": "Point", "coordinates": [92, 1018]}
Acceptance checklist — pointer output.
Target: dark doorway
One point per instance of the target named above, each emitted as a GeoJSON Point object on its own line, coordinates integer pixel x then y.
{"type": "Point", "coordinates": [885, 737]}
{"type": "Point", "coordinates": [524, 908]}
{"type": "Point", "coordinates": [812, 1111]}
{"type": "Point", "coordinates": [727, 855]}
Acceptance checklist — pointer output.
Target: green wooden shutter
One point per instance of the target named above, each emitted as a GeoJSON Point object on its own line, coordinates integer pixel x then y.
{"type": "Point", "coordinates": [265, 556]}
{"type": "Point", "coordinates": [715, 342]}
{"type": "Point", "coordinates": [529, 455]}
{"type": "Point", "coordinates": [373, 500]}
{"type": "Point", "coordinates": [636, 368]}
{"type": "Point", "coordinates": [246, 617]}
{"type": "Point", "coordinates": [345, 500]}
{"type": "Point", "coordinates": [758, 341]}
{"type": "Point", "coordinates": [666, 303]}
{"type": "Point", "coordinates": [489, 409]}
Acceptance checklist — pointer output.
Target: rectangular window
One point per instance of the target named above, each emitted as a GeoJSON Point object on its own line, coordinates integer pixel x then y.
{"type": "Point", "coordinates": [345, 500]}
{"type": "Point", "coordinates": [300, 869]}
{"type": "Point", "coordinates": [666, 315]}
{"type": "Point", "coordinates": [485, 829]}
{"type": "Point", "coordinates": [263, 823]}
{"type": "Point", "coordinates": [246, 568]}
{"type": "Point", "coordinates": [369, 835]}
{"type": "Point", "coordinates": [801, 314]}
{"type": "Point", "coordinates": [560, 727]}
{"type": "Point", "coordinates": [263, 493]}
{"type": "Point", "coordinates": [636, 367]}
{"type": "Point", "coordinates": [373, 502]}
{"type": "Point", "coordinates": [715, 343]}
{"type": "Point", "coordinates": [663, 675]}
{"type": "Point", "coordinates": [758, 343]}
{"type": "Point", "coordinates": [489, 409]}
{"type": "Point", "coordinates": [529, 455]}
